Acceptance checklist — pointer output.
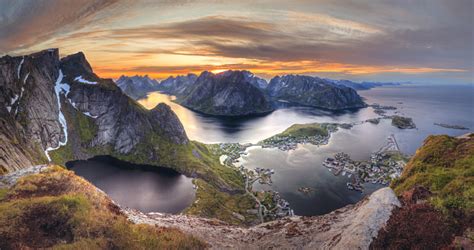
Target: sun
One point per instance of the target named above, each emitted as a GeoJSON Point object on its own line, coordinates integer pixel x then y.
{"type": "Point", "coordinates": [217, 71]}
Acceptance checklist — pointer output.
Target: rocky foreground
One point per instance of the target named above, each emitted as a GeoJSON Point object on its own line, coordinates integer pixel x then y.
{"type": "Point", "coordinates": [350, 227]}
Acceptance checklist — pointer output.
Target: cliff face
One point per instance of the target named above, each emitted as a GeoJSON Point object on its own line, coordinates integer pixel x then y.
{"type": "Point", "coordinates": [121, 123]}
{"type": "Point", "coordinates": [28, 108]}
{"type": "Point", "coordinates": [137, 86]}
{"type": "Point", "coordinates": [313, 91]}
{"type": "Point", "coordinates": [228, 93]}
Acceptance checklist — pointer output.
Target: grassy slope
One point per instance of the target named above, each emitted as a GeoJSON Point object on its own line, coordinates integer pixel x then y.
{"type": "Point", "coordinates": [60, 210]}
{"type": "Point", "coordinates": [444, 165]}
{"type": "Point", "coordinates": [193, 159]}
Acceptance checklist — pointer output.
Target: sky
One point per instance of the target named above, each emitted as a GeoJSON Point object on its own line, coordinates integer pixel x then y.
{"type": "Point", "coordinates": [426, 41]}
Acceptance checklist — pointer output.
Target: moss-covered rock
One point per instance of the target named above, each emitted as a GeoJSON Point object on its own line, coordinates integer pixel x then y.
{"type": "Point", "coordinates": [445, 166]}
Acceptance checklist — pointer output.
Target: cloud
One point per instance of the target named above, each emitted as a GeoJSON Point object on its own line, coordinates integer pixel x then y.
{"type": "Point", "coordinates": [24, 23]}
{"type": "Point", "coordinates": [443, 47]}
{"type": "Point", "coordinates": [275, 36]}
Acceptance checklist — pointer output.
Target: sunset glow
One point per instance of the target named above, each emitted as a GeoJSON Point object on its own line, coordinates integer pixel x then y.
{"type": "Point", "coordinates": [328, 39]}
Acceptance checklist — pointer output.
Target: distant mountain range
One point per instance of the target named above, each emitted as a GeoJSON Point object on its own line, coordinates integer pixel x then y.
{"type": "Point", "coordinates": [235, 93]}
{"type": "Point", "coordinates": [137, 86]}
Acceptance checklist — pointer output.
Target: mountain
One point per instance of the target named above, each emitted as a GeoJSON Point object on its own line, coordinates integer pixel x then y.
{"type": "Point", "coordinates": [177, 85]}
{"type": "Point", "coordinates": [313, 91]}
{"type": "Point", "coordinates": [230, 93]}
{"type": "Point", "coordinates": [137, 86]}
{"type": "Point", "coordinates": [58, 110]}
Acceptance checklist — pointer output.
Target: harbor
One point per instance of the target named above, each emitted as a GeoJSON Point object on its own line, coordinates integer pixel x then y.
{"type": "Point", "coordinates": [384, 165]}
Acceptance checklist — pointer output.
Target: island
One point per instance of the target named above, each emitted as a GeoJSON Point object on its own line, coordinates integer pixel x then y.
{"type": "Point", "coordinates": [444, 125]}
{"type": "Point", "coordinates": [402, 122]}
{"type": "Point", "coordinates": [312, 133]}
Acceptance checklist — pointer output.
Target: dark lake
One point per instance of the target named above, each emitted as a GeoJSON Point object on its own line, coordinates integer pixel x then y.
{"type": "Point", "coordinates": [142, 187]}
{"type": "Point", "coordinates": [302, 167]}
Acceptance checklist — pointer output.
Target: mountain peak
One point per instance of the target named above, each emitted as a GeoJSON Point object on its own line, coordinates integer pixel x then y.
{"type": "Point", "coordinates": [77, 63]}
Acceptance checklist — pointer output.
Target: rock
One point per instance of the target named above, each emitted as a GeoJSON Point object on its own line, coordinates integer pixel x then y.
{"type": "Point", "coordinates": [313, 91]}
{"type": "Point", "coordinates": [28, 108]}
{"type": "Point", "coordinates": [351, 227]}
{"type": "Point", "coordinates": [229, 93]}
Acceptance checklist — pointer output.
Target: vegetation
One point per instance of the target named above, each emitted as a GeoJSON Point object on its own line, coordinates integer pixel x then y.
{"type": "Point", "coordinates": [445, 166]}
{"type": "Point", "coordinates": [57, 209]}
{"type": "Point", "coordinates": [305, 130]}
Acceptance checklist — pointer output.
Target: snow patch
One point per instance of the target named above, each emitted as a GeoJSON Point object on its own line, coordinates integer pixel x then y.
{"type": "Point", "coordinates": [82, 80]}
{"type": "Point", "coordinates": [58, 88]}
{"type": "Point", "coordinates": [14, 99]}
{"type": "Point", "coordinates": [222, 159]}
{"type": "Point", "coordinates": [89, 114]}
{"type": "Point", "coordinates": [19, 66]}
{"type": "Point", "coordinates": [26, 77]}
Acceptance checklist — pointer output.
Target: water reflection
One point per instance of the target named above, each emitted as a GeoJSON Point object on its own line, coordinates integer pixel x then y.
{"type": "Point", "coordinates": [146, 188]}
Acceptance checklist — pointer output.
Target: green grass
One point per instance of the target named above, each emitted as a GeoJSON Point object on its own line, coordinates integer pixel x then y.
{"type": "Point", "coordinates": [444, 165]}
{"type": "Point", "coordinates": [62, 154]}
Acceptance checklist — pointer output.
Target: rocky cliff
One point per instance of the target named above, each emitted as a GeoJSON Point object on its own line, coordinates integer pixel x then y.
{"type": "Point", "coordinates": [28, 108]}
{"type": "Point", "coordinates": [229, 93]}
{"type": "Point", "coordinates": [137, 86]}
{"type": "Point", "coordinates": [313, 91]}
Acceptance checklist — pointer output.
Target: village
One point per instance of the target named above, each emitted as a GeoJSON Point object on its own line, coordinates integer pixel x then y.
{"type": "Point", "coordinates": [269, 204]}
{"type": "Point", "coordinates": [383, 166]}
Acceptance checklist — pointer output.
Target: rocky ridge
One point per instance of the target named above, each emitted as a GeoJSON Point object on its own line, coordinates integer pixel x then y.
{"type": "Point", "coordinates": [351, 227]}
